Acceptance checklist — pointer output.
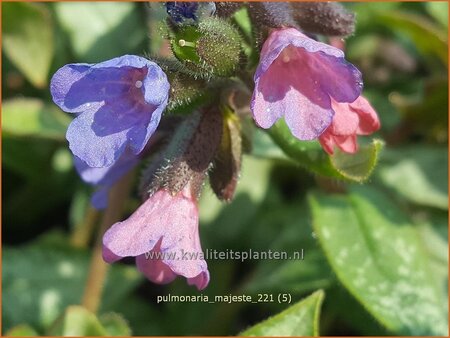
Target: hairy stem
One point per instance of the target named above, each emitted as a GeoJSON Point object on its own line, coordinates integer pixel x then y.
{"type": "Point", "coordinates": [98, 268]}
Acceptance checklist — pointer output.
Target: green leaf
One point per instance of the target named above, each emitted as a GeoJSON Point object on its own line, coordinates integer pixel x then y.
{"type": "Point", "coordinates": [285, 227]}
{"type": "Point", "coordinates": [301, 319]}
{"type": "Point", "coordinates": [28, 39]}
{"type": "Point", "coordinates": [378, 256]}
{"type": "Point", "coordinates": [439, 10]}
{"type": "Point", "coordinates": [77, 321]}
{"type": "Point", "coordinates": [23, 330]}
{"type": "Point", "coordinates": [115, 324]}
{"type": "Point", "coordinates": [243, 21]}
{"type": "Point", "coordinates": [143, 316]}
{"type": "Point", "coordinates": [102, 30]}
{"type": "Point", "coordinates": [41, 279]}
{"type": "Point", "coordinates": [31, 117]}
{"type": "Point", "coordinates": [427, 37]}
{"type": "Point", "coordinates": [359, 166]}
{"type": "Point", "coordinates": [309, 154]}
{"type": "Point", "coordinates": [436, 245]}
{"type": "Point", "coordinates": [418, 174]}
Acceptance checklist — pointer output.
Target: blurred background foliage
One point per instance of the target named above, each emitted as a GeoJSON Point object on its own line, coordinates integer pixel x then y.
{"type": "Point", "coordinates": [375, 255]}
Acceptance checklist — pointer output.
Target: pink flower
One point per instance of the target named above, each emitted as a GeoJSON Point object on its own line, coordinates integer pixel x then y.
{"type": "Point", "coordinates": [163, 236]}
{"type": "Point", "coordinates": [350, 119]}
{"type": "Point", "coordinates": [298, 78]}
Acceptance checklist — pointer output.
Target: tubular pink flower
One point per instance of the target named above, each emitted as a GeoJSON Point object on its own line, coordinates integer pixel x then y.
{"type": "Point", "coordinates": [298, 78]}
{"type": "Point", "coordinates": [167, 225]}
{"type": "Point", "coordinates": [350, 119]}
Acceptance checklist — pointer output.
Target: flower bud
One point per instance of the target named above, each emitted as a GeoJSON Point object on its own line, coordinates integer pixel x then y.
{"type": "Point", "coordinates": [213, 48]}
{"type": "Point", "coordinates": [327, 18]}
{"type": "Point", "coordinates": [271, 14]}
{"type": "Point", "coordinates": [227, 163]}
{"type": "Point", "coordinates": [185, 92]}
{"type": "Point", "coordinates": [187, 157]}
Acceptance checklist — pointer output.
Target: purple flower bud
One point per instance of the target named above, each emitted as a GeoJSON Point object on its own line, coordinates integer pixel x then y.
{"type": "Point", "coordinates": [118, 105]}
{"type": "Point", "coordinates": [297, 78]}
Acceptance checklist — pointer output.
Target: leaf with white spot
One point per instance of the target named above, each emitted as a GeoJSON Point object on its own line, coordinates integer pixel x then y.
{"type": "Point", "coordinates": [380, 258]}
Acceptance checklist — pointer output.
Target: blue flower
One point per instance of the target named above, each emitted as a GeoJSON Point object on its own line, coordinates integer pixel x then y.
{"type": "Point", "coordinates": [104, 178]}
{"type": "Point", "coordinates": [118, 106]}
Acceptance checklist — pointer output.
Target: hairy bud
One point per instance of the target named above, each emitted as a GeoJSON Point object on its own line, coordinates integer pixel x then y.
{"type": "Point", "coordinates": [327, 18]}
{"type": "Point", "coordinates": [271, 14]}
{"type": "Point", "coordinates": [185, 92]}
{"type": "Point", "coordinates": [212, 48]}
{"type": "Point", "coordinates": [187, 157]}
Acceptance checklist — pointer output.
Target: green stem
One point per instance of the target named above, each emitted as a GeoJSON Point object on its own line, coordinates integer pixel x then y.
{"type": "Point", "coordinates": [83, 232]}
{"type": "Point", "coordinates": [98, 268]}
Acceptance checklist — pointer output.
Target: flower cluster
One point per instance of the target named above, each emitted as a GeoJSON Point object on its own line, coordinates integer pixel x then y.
{"type": "Point", "coordinates": [118, 105]}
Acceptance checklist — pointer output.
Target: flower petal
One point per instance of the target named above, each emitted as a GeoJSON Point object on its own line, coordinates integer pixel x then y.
{"type": "Point", "coordinates": [279, 39]}
{"type": "Point", "coordinates": [368, 118]}
{"type": "Point", "coordinates": [96, 150]}
{"type": "Point", "coordinates": [63, 80]}
{"type": "Point", "coordinates": [99, 198]}
{"type": "Point", "coordinates": [326, 140]}
{"type": "Point", "coordinates": [306, 107]}
{"type": "Point", "coordinates": [338, 78]}
{"type": "Point", "coordinates": [297, 77]}
{"type": "Point", "coordinates": [171, 219]}
{"type": "Point", "coordinates": [307, 120]}
{"type": "Point", "coordinates": [120, 100]}
{"type": "Point", "coordinates": [105, 177]}
{"type": "Point", "coordinates": [109, 256]}
{"type": "Point", "coordinates": [200, 281]}
{"type": "Point", "coordinates": [155, 270]}
{"type": "Point", "coordinates": [345, 120]}
{"type": "Point", "coordinates": [347, 144]}
{"type": "Point", "coordinates": [156, 87]}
